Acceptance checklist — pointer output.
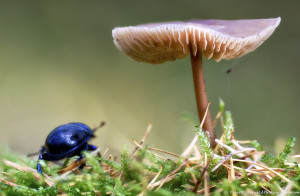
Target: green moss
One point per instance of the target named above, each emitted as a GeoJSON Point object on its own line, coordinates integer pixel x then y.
{"type": "Point", "coordinates": [283, 156]}
{"type": "Point", "coordinates": [228, 129]}
{"type": "Point", "coordinates": [178, 176]}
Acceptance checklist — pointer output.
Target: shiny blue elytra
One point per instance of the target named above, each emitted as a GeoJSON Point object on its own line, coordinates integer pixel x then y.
{"type": "Point", "coordinates": [66, 141]}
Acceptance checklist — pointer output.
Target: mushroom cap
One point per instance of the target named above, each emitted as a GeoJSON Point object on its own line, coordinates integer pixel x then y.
{"type": "Point", "coordinates": [157, 43]}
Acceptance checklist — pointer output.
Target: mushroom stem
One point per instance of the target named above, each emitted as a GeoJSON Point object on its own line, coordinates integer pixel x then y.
{"type": "Point", "coordinates": [201, 97]}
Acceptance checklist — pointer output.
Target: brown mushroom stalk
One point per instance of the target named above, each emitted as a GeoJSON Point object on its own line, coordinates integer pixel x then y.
{"type": "Point", "coordinates": [201, 97]}
{"type": "Point", "coordinates": [157, 43]}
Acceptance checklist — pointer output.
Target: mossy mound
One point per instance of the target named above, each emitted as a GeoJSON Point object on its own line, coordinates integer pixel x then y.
{"type": "Point", "coordinates": [234, 168]}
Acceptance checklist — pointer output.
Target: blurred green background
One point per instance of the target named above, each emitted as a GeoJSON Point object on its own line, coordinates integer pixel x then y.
{"type": "Point", "coordinates": [58, 64]}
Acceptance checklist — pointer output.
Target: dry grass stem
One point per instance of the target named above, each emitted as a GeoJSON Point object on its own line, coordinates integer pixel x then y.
{"type": "Point", "coordinates": [164, 151]}
{"type": "Point", "coordinates": [232, 173]}
{"type": "Point", "coordinates": [265, 167]}
{"type": "Point", "coordinates": [229, 156]}
{"type": "Point", "coordinates": [150, 185]}
{"type": "Point", "coordinates": [188, 150]}
{"type": "Point", "coordinates": [29, 170]}
{"type": "Point", "coordinates": [8, 183]}
{"type": "Point", "coordinates": [172, 173]}
{"type": "Point", "coordinates": [106, 150]}
{"type": "Point", "coordinates": [148, 130]}
{"type": "Point", "coordinates": [139, 146]}
{"type": "Point", "coordinates": [286, 190]}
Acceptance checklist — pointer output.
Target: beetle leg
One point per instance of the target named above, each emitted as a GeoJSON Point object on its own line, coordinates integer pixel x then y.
{"type": "Point", "coordinates": [42, 149]}
{"type": "Point", "coordinates": [82, 165]}
{"type": "Point", "coordinates": [92, 148]}
{"type": "Point", "coordinates": [80, 157]}
{"type": "Point", "coordinates": [38, 163]}
{"type": "Point", "coordinates": [44, 156]}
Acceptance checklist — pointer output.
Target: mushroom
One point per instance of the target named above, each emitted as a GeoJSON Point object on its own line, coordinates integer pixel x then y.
{"type": "Point", "coordinates": [156, 43]}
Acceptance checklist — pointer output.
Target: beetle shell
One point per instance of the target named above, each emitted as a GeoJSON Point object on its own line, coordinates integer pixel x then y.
{"type": "Point", "coordinates": [83, 126]}
{"type": "Point", "coordinates": [66, 138]}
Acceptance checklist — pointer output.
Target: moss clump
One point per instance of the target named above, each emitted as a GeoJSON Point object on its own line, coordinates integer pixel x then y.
{"type": "Point", "coordinates": [234, 167]}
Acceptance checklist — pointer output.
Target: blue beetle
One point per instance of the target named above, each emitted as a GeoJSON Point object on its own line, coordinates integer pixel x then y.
{"type": "Point", "coordinates": [66, 141]}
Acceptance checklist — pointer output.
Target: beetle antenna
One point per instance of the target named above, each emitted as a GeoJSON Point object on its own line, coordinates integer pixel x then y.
{"type": "Point", "coordinates": [37, 153]}
{"type": "Point", "coordinates": [33, 154]}
{"type": "Point", "coordinates": [98, 127]}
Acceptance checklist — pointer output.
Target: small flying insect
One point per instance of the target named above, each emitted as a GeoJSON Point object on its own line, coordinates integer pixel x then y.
{"type": "Point", "coordinates": [229, 71]}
